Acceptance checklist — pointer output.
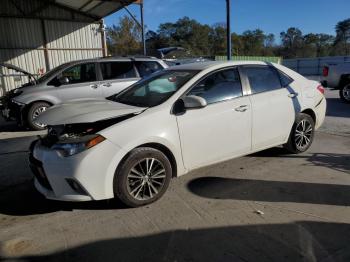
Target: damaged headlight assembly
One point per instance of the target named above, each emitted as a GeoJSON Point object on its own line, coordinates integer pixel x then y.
{"type": "Point", "coordinates": [73, 146]}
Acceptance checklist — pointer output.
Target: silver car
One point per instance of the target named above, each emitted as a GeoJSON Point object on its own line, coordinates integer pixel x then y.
{"type": "Point", "coordinates": [83, 79]}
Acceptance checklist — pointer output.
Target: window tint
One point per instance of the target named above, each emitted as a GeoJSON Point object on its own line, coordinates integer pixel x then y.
{"type": "Point", "coordinates": [117, 70]}
{"type": "Point", "coordinates": [219, 86]}
{"type": "Point", "coordinates": [262, 79]}
{"type": "Point", "coordinates": [77, 74]}
{"type": "Point", "coordinates": [146, 68]}
{"type": "Point", "coordinates": [285, 80]}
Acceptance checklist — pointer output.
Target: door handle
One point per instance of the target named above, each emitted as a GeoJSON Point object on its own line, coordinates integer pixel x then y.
{"type": "Point", "coordinates": [95, 86]}
{"type": "Point", "coordinates": [242, 108]}
{"type": "Point", "coordinates": [293, 95]}
{"type": "Point", "coordinates": [107, 85]}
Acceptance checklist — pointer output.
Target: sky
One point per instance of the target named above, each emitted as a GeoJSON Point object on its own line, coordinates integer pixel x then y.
{"type": "Point", "coordinates": [272, 16]}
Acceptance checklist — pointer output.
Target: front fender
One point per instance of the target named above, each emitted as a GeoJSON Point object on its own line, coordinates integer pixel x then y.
{"type": "Point", "coordinates": [129, 147]}
{"type": "Point", "coordinates": [32, 98]}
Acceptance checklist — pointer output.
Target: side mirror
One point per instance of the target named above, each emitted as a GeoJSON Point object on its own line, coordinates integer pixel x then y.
{"type": "Point", "coordinates": [63, 80]}
{"type": "Point", "coordinates": [188, 102]}
{"type": "Point", "coordinates": [193, 102]}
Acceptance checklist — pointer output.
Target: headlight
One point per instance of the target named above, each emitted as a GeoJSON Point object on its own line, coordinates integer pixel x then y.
{"type": "Point", "coordinates": [74, 146]}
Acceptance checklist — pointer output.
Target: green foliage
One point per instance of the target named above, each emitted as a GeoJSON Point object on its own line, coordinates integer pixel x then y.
{"type": "Point", "coordinates": [342, 41]}
{"type": "Point", "coordinates": [204, 40]}
{"type": "Point", "coordinates": [125, 38]}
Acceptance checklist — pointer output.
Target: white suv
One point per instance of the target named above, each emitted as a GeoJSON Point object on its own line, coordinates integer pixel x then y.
{"type": "Point", "coordinates": [177, 120]}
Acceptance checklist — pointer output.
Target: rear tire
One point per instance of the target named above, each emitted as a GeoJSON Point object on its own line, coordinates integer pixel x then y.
{"type": "Point", "coordinates": [344, 93]}
{"type": "Point", "coordinates": [301, 135]}
{"type": "Point", "coordinates": [33, 112]}
{"type": "Point", "coordinates": [143, 177]}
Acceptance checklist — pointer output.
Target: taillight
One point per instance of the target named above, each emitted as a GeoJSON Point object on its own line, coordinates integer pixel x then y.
{"type": "Point", "coordinates": [325, 71]}
{"type": "Point", "coordinates": [321, 89]}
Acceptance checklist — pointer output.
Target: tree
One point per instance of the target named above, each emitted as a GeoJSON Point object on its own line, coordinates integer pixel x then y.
{"type": "Point", "coordinates": [343, 36]}
{"type": "Point", "coordinates": [253, 42]}
{"type": "Point", "coordinates": [204, 40]}
{"type": "Point", "coordinates": [124, 39]}
{"type": "Point", "coordinates": [317, 45]}
{"type": "Point", "coordinates": [187, 33]}
{"type": "Point", "coordinates": [292, 42]}
{"type": "Point", "coordinates": [218, 39]}
{"type": "Point", "coordinates": [237, 44]}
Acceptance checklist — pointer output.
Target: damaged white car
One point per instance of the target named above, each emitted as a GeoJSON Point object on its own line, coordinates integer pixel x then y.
{"type": "Point", "coordinates": [185, 117]}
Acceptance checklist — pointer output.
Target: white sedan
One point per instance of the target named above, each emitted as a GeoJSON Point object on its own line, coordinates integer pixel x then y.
{"type": "Point", "coordinates": [131, 144]}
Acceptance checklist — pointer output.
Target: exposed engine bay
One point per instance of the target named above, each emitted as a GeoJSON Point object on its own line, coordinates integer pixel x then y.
{"type": "Point", "coordinates": [72, 132]}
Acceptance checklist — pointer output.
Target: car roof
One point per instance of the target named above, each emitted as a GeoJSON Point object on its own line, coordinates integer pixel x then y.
{"type": "Point", "coordinates": [217, 64]}
{"type": "Point", "coordinates": [115, 58]}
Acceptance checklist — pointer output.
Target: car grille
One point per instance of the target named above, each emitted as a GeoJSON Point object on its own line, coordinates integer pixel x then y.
{"type": "Point", "coordinates": [37, 168]}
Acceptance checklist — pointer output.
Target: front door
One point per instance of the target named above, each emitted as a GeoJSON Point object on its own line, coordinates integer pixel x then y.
{"type": "Point", "coordinates": [222, 129]}
{"type": "Point", "coordinates": [82, 83]}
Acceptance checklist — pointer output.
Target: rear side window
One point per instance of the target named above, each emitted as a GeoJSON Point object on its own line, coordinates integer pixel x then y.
{"type": "Point", "coordinates": [117, 70]}
{"type": "Point", "coordinates": [262, 79]}
{"type": "Point", "coordinates": [285, 79]}
{"type": "Point", "coordinates": [220, 86]}
{"type": "Point", "coordinates": [146, 68]}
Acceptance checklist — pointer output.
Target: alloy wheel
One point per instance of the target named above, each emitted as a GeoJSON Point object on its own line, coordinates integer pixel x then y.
{"type": "Point", "coordinates": [146, 179]}
{"type": "Point", "coordinates": [303, 134]}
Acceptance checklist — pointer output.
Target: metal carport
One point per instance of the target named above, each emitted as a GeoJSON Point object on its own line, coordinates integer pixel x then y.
{"type": "Point", "coordinates": [38, 35]}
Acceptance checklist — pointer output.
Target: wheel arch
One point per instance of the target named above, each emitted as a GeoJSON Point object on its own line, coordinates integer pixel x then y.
{"type": "Point", "coordinates": [311, 113]}
{"type": "Point", "coordinates": [162, 148]}
{"type": "Point", "coordinates": [29, 105]}
{"type": "Point", "coordinates": [344, 79]}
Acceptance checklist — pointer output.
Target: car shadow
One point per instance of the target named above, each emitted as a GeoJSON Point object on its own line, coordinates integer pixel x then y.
{"type": "Point", "coordinates": [337, 108]}
{"type": "Point", "coordinates": [10, 126]}
{"type": "Point", "coordinates": [280, 191]}
{"type": "Point", "coordinates": [270, 191]}
{"type": "Point", "coordinates": [18, 197]}
{"type": "Point", "coordinates": [298, 241]}
{"type": "Point", "coordinates": [338, 162]}
{"type": "Point", "coordinates": [25, 200]}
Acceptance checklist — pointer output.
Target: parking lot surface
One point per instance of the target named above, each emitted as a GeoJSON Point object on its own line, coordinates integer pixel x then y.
{"type": "Point", "coordinates": [269, 206]}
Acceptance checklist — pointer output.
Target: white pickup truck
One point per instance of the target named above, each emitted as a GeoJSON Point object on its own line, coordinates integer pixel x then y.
{"type": "Point", "coordinates": [337, 76]}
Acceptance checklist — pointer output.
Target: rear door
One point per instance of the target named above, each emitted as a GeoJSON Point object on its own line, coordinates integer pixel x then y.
{"type": "Point", "coordinates": [222, 129]}
{"type": "Point", "coordinates": [116, 76]}
{"type": "Point", "coordinates": [82, 82]}
{"type": "Point", "coordinates": [273, 106]}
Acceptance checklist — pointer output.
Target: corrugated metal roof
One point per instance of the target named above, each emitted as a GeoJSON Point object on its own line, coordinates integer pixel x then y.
{"type": "Point", "coordinates": [90, 9]}
{"type": "Point", "coordinates": [95, 8]}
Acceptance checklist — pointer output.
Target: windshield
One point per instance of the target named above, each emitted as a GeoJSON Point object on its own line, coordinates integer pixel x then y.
{"type": "Point", "coordinates": [154, 90]}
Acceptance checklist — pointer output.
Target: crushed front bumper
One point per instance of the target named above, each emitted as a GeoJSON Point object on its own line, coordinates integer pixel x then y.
{"type": "Point", "coordinates": [10, 110]}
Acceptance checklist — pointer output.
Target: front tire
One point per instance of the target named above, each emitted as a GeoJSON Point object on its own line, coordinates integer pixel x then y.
{"type": "Point", "coordinates": [143, 177]}
{"type": "Point", "coordinates": [301, 135]}
{"type": "Point", "coordinates": [34, 111]}
{"type": "Point", "coordinates": [344, 93]}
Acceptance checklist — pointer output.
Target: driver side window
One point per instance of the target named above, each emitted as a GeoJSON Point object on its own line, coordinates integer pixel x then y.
{"type": "Point", "coordinates": [220, 86]}
{"type": "Point", "coordinates": [76, 74]}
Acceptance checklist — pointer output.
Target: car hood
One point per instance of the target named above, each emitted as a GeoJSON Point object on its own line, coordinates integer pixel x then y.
{"type": "Point", "coordinates": [85, 111]}
{"type": "Point", "coordinates": [16, 68]}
